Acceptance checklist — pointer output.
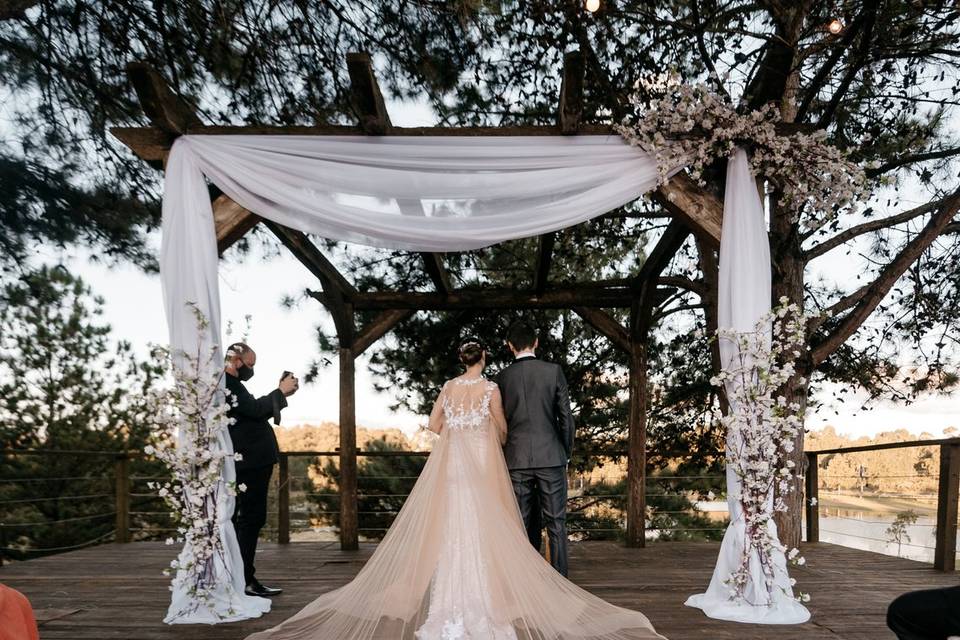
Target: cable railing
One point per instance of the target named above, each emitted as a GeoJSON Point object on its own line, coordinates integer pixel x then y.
{"type": "Point", "coordinates": [123, 506]}
{"type": "Point", "coordinates": [946, 496]}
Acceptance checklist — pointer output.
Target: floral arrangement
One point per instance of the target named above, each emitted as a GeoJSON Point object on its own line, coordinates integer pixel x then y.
{"type": "Point", "coordinates": [761, 432]}
{"type": "Point", "coordinates": [188, 420]}
{"type": "Point", "coordinates": [690, 126]}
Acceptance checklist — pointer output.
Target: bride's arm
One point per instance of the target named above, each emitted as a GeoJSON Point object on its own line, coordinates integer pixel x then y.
{"type": "Point", "coordinates": [496, 414]}
{"type": "Point", "coordinates": [436, 416]}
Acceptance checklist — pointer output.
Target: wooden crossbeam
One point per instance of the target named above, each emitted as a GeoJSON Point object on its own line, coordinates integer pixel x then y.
{"type": "Point", "coordinates": [488, 299]}
{"type": "Point", "coordinates": [544, 259]}
{"type": "Point", "coordinates": [571, 93]}
{"type": "Point", "coordinates": [231, 221]}
{"type": "Point", "coordinates": [607, 325]}
{"type": "Point", "coordinates": [365, 95]}
{"type": "Point", "coordinates": [311, 257]}
{"type": "Point", "coordinates": [378, 327]}
{"type": "Point", "coordinates": [645, 284]}
{"type": "Point", "coordinates": [699, 208]}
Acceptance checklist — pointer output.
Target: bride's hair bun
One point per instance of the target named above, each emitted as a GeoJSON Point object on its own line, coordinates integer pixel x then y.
{"type": "Point", "coordinates": [470, 352]}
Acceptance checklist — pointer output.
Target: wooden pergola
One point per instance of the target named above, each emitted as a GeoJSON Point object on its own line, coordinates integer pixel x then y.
{"type": "Point", "coordinates": [692, 209]}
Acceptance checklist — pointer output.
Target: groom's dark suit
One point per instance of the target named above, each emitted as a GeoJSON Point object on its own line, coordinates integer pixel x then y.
{"type": "Point", "coordinates": [254, 439]}
{"type": "Point", "coordinates": [539, 441]}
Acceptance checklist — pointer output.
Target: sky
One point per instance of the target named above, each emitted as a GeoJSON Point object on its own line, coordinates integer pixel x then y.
{"type": "Point", "coordinates": [285, 339]}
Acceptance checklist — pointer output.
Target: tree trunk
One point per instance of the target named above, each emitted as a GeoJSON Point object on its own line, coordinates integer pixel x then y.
{"type": "Point", "coordinates": [788, 278]}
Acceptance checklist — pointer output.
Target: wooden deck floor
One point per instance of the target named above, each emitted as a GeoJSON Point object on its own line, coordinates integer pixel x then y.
{"type": "Point", "coordinates": [117, 591]}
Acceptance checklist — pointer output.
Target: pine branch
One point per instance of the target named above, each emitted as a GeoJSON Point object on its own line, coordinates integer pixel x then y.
{"type": "Point", "coordinates": [873, 225]}
{"type": "Point", "coordinates": [876, 291]}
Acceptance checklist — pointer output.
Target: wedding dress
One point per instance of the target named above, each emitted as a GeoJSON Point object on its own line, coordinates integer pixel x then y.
{"type": "Point", "coordinates": [457, 564]}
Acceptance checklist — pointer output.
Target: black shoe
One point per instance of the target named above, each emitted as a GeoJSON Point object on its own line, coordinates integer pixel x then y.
{"type": "Point", "coordinates": [257, 589]}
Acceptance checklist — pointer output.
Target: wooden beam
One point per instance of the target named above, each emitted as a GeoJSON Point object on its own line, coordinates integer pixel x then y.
{"type": "Point", "coordinates": [365, 95]}
{"type": "Point", "coordinates": [637, 444]}
{"type": "Point", "coordinates": [311, 257]}
{"type": "Point", "coordinates": [152, 144]}
{"type": "Point", "coordinates": [231, 221]}
{"type": "Point", "coordinates": [571, 93]}
{"type": "Point", "coordinates": [164, 108]}
{"type": "Point", "coordinates": [645, 287]}
{"type": "Point", "coordinates": [433, 265]}
{"type": "Point", "coordinates": [606, 325]}
{"type": "Point", "coordinates": [487, 299]}
{"type": "Point", "coordinates": [378, 328]}
{"type": "Point", "coordinates": [544, 259]}
{"type": "Point", "coordinates": [696, 206]}
{"type": "Point", "coordinates": [349, 512]}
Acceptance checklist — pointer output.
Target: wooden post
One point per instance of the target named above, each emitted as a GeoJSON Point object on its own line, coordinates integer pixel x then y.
{"type": "Point", "coordinates": [945, 555]}
{"type": "Point", "coordinates": [812, 499]}
{"type": "Point", "coordinates": [283, 500]}
{"type": "Point", "coordinates": [122, 472]}
{"type": "Point", "coordinates": [348, 453]}
{"type": "Point", "coordinates": [637, 453]}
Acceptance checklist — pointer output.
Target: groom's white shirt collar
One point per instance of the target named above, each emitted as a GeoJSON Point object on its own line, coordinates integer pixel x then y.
{"type": "Point", "coordinates": [525, 354]}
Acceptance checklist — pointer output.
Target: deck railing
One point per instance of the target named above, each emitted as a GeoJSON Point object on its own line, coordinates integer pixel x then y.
{"type": "Point", "coordinates": [137, 512]}
{"type": "Point", "coordinates": [948, 493]}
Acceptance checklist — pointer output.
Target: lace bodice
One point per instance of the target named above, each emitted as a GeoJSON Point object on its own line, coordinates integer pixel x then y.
{"type": "Point", "coordinates": [469, 405]}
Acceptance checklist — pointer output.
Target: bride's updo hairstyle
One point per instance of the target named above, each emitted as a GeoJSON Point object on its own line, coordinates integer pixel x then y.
{"type": "Point", "coordinates": [470, 352]}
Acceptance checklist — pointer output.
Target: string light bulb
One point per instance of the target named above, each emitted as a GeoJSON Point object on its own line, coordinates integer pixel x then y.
{"type": "Point", "coordinates": [835, 26]}
{"type": "Point", "coordinates": [592, 5]}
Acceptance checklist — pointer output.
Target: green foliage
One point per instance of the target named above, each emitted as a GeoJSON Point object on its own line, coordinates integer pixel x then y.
{"type": "Point", "coordinates": [62, 387]}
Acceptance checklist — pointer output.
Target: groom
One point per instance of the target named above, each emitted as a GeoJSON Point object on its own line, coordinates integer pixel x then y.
{"type": "Point", "coordinates": [539, 440]}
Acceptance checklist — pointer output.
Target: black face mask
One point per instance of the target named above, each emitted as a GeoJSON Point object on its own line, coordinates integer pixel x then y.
{"type": "Point", "coordinates": [244, 372]}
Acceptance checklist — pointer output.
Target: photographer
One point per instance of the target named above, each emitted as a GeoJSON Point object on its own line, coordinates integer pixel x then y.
{"type": "Point", "coordinates": [253, 438]}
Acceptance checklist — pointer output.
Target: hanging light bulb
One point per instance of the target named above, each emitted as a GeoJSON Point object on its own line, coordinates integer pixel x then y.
{"type": "Point", "coordinates": [592, 5]}
{"type": "Point", "coordinates": [835, 26]}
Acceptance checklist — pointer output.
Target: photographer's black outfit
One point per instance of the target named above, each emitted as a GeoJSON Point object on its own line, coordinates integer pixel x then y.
{"type": "Point", "coordinates": [253, 438]}
{"type": "Point", "coordinates": [926, 615]}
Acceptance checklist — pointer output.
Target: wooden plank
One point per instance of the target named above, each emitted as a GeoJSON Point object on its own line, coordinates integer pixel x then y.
{"type": "Point", "coordinates": [545, 245]}
{"type": "Point", "coordinates": [571, 93]}
{"type": "Point", "coordinates": [365, 95]}
{"type": "Point", "coordinates": [378, 328]}
{"type": "Point", "coordinates": [231, 221]}
{"type": "Point", "coordinates": [487, 299]}
{"type": "Point", "coordinates": [120, 593]}
{"type": "Point", "coordinates": [890, 445]}
{"type": "Point", "coordinates": [948, 496]}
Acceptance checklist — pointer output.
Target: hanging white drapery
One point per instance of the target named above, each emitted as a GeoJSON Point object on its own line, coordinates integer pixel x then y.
{"type": "Point", "coordinates": [412, 193]}
{"type": "Point", "coordinates": [743, 298]}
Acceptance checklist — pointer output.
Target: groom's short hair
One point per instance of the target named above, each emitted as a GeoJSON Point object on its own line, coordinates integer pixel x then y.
{"type": "Point", "coordinates": [521, 335]}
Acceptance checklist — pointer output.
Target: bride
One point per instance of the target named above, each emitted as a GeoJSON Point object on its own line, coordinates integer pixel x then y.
{"type": "Point", "coordinates": [457, 564]}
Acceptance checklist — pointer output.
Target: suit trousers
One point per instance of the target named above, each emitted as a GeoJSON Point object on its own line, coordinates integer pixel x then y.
{"type": "Point", "coordinates": [546, 486]}
{"type": "Point", "coordinates": [250, 514]}
{"type": "Point", "coordinates": [926, 615]}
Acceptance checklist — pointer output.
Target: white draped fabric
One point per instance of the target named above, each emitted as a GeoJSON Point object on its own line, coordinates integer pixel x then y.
{"type": "Point", "coordinates": [743, 299]}
{"type": "Point", "coordinates": [412, 193]}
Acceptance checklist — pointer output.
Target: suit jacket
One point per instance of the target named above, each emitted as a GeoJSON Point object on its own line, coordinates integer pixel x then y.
{"type": "Point", "coordinates": [537, 407]}
{"type": "Point", "coordinates": [251, 433]}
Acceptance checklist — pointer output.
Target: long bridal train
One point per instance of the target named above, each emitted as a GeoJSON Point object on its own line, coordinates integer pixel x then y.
{"type": "Point", "coordinates": [457, 563]}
